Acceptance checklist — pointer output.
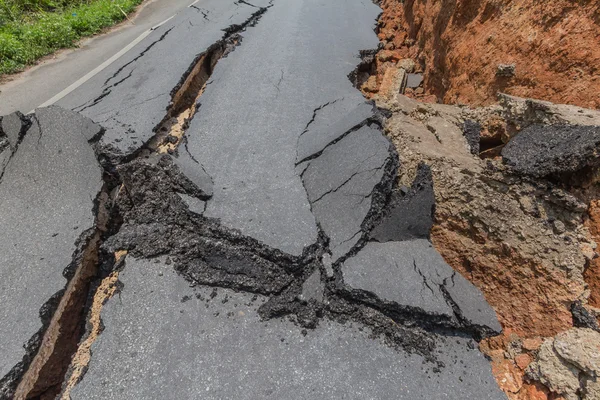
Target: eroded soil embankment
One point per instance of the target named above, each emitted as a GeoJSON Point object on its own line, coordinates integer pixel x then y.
{"type": "Point", "coordinates": [528, 243]}
{"type": "Point", "coordinates": [459, 46]}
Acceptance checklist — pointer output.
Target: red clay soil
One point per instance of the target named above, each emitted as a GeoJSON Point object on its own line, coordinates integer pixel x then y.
{"type": "Point", "coordinates": [555, 46]}
{"type": "Point", "coordinates": [592, 273]}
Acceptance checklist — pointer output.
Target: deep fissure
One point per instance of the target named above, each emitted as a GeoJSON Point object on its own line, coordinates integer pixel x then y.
{"type": "Point", "coordinates": [49, 358]}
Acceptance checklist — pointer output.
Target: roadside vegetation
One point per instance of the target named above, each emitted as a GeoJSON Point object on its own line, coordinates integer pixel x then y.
{"type": "Point", "coordinates": [31, 29]}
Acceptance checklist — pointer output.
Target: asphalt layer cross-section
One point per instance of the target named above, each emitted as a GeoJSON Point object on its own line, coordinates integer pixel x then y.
{"type": "Point", "coordinates": [270, 252]}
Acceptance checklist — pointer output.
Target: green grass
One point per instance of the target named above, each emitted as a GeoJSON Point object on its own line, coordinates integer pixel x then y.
{"type": "Point", "coordinates": [31, 29]}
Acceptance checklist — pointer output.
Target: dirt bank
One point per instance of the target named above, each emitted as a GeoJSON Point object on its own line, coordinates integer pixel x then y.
{"type": "Point", "coordinates": [528, 243]}
{"type": "Point", "coordinates": [467, 49]}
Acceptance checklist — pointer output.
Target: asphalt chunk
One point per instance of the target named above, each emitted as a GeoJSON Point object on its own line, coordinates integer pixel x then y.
{"type": "Point", "coordinates": [472, 132]}
{"type": "Point", "coordinates": [232, 353]}
{"type": "Point", "coordinates": [543, 150]}
{"type": "Point", "coordinates": [409, 214]}
{"type": "Point", "coordinates": [47, 201]}
{"type": "Point", "coordinates": [412, 275]}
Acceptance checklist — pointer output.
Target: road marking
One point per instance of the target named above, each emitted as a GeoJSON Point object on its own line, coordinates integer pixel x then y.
{"type": "Point", "coordinates": [193, 3]}
{"type": "Point", "coordinates": [162, 23]}
{"type": "Point", "coordinates": [100, 67]}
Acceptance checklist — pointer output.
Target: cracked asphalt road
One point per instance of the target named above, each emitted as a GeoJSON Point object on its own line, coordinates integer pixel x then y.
{"type": "Point", "coordinates": [267, 253]}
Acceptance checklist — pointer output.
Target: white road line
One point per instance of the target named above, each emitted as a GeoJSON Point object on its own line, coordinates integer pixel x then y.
{"type": "Point", "coordinates": [193, 3]}
{"type": "Point", "coordinates": [164, 22]}
{"type": "Point", "coordinates": [100, 67]}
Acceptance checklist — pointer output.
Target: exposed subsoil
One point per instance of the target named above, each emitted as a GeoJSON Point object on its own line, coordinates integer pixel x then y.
{"type": "Point", "coordinates": [467, 49]}
{"type": "Point", "coordinates": [521, 224]}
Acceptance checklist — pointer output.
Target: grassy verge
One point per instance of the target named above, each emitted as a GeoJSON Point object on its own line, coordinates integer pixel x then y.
{"type": "Point", "coordinates": [31, 29]}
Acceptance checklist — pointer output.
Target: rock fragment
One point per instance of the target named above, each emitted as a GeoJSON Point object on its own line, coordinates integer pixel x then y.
{"type": "Point", "coordinates": [582, 318]}
{"type": "Point", "coordinates": [506, 70]}
{"type": "Point", "coordinates": [569, 364]}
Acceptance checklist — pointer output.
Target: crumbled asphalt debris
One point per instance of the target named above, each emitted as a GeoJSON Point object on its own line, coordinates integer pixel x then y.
{"type": "Point", "coordinates": [582, 318]}
{"type": "Point", "coordinates": [409, 213]}
{"type": "Point", "coordinates": [472, 132]}
{"type": "Point", "coordinates": [553, 150]}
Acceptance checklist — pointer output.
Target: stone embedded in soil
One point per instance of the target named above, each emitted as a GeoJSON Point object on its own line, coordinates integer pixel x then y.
{"type": "Point", "coordinates": [215, 345]}
{"type": "Point", "coordinates": [340, 184]}
{"type": "Point", "coordinates": [582, 318]}
{"type": "Point", "coordinates": [414, 80]}
{"type": "Point", "coordinates": [569, 364]}
{"type": "Point", "coordinates": [47, 198]}
{"type": "Point", "coordinates": [540, 150]}
{"type": "Point", "coordinates": [395, 272]}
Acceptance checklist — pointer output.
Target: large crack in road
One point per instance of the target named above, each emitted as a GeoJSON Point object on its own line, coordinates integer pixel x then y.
{"type": "Point", "coordinates": [242, 202]}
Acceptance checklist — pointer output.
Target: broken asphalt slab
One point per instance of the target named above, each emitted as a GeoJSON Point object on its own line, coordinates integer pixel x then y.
{"type": "Point", "coordinates": [411, 274]}
{"type": "Point", "coordinates": [130, 97]}
{"type": "Point", "coordinates": [47, 204]}
{"type": "Point", "coordinates": [330, 122]}
{"type": "Point", "coordinates": [163, 339]}
{"type": "Point", "coordinates": [258, 102]}
{"type": "Point", "coordinates": [542, 150]}
{"type": "Point", "coordinates": [409, 213]}
{"type": "Point", "coordinates": [341, 182]}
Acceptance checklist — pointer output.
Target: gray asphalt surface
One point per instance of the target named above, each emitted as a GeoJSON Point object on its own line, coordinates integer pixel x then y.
{"type": "Point", "coordinates": [412, 274]}
{"type": "Point", "coordinates": [46, 205]}
{"type": "Point", "coordinates": [69, 65]}
{"type": "Point", "coordinates": [258, 102]}
{"type": "Point", "coordinates": [283, 189]}
{"type": "Point", "coordinates": [164, 339]}
{"type": "Point", "coordinates": [129, 98]}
